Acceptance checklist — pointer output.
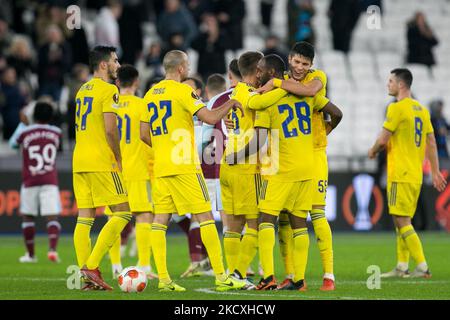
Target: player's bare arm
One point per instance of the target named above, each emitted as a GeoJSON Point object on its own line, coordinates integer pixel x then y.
{"type": "Point", "coordinates": [335, 115]}
{"type": "Point", "coordinates": [258, 140]}
{"type": "Point", "coordinates": [217, 114]}
{"type": "Point", "coordinates": [229, 123]}
{"type": "Point", "coordinates": [294, 87]}
{"type": "Point", "coordinates": [380, 143]}
{"type": "Point", "coordinates": [112, 136]}
{"type": "Point", "coordinates": [145, 133]}
{"type": "Point", "coordinates": [439, 181]}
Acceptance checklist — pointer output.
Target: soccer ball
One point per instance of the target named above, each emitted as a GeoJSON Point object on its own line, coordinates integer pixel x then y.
{"type": "Point", "coordinates": [132, 279]}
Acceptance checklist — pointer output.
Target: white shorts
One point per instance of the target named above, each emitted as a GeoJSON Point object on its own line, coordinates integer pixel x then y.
{"type": "Point", "coordinates": [44, 199]}
{"type": "Point", "coordinates": [215, 196]}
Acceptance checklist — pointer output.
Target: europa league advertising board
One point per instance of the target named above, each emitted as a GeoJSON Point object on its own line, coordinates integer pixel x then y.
{"type": "Point", "coordinates": [355, 202]}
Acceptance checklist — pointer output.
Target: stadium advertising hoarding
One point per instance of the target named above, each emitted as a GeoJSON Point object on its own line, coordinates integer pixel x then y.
{"type": "Point", "coordinates": [354, 202]}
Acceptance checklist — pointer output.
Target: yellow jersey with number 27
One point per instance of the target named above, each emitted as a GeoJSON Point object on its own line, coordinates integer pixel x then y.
{"type": "Point", "coordinates": [92, 152]}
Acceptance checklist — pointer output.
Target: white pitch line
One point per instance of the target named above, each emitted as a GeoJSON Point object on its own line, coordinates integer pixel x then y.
{"type": "Point", "coordinates": [33, 279]}
{"type": "Point", "coordinates": [348, 282]}
{"type": "Point", "coordinates": [363, 282]}
{"type": "Point", "coordinates": [243, 293]}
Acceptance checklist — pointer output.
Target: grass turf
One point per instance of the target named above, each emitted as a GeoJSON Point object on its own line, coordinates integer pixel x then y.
{"type": "Point", "coordinates": [353, 254]}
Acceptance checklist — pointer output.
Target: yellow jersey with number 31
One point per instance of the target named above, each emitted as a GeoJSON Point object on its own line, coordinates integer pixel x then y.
{"type": "Point", "coordinates": [291, 148]}
{"type": "Point", "coordinates": [410, 124]}
{"type": "Point", "coordinates": [92, 152]}
{"type": "Point", "coordinates": [171, 106]}
{"type": "Point", "coordinates": [137, 157]}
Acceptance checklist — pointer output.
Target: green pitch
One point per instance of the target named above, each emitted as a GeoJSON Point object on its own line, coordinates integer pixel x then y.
{"type": "Point", "coordinates": [354, 253]}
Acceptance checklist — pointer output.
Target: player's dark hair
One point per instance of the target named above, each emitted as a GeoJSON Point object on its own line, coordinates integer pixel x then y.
{"type": "Point", "coordinates": [304, 49]}
{"type": "Point", "coordinates": [198, 83]}
{"type": "Point", "coordinates": [234, 68]}
{"type": "Point", "coordinates": [403, 75]}
{"type": "Point", "coordinates": [98, 55]}
{"type": "Point", "coordinates": [216, 83]}
{"type": "Point", "coordinates": [247, 62]}
{"type": "Point", "coordinates": [127, 75]}
{"type": "Point", "coordinates": [274, 61]}
{"type": "Point", "coordinates": [43, 112]}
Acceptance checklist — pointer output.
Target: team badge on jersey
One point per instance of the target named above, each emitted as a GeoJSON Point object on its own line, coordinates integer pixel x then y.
{"type": "Point", "coordinates": [116, 98]}
{"type": "Point", "coordinates": [195, 96]}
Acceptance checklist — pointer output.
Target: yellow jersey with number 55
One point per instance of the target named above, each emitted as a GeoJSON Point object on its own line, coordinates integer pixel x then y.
{"type": "Point", "coordinates": [137, 157]}
{"type": "Point", "coordinates": [410, 124]}
{"type": "Point", "coordinates": [171, 106]}
{"type": "Point", "coordinates": [92, 152]}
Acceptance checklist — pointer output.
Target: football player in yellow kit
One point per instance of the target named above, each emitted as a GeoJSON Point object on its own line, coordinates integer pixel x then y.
{"type": "Point", "coordinates": [179, 185]}
{"type": "Point", "coordinates": [137, 159]}
{"type": "Point", "coordinates": [240, 183]}
{"type": "Point", "coordinates": [97, 165]}
{"type": "Point", "coordinates": [290, 186]}
{"type": "Point", "coordinates": [308, 82]}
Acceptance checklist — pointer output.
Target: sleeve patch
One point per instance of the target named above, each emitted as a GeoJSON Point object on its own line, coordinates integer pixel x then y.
{"type": "Point", "coordinates": [116, 98]}
{"type": "Point", "coordinates": [195, 96]}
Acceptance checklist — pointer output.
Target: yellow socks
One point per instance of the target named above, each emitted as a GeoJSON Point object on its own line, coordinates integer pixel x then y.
{"type": "Point", "coordinates": [301, 246]}
{"type": "Point", "coordinates": [143, 242]}
{"type": "Point", "coordinates": [286, 242]}
{"type": "Point", "coordinates": [82, 239]}
{"type": "Point", "coordinates": [114, 252]}
{"type": "Point", "coordinates": [110, 231]}
{"type": "Point", "coordinates": [413, 243]}
{"type": "Point", "coordinates": [211, 241]}
{"type": "Point", "coordinates": [324, 239]}
{"type": "Point", "coordinates": [231, 245]}
{"type": "Point", "coordinates": [402, 252]}
{"type": "Point", "coordinates": [266, 241]}
{"type": "Point", "coordinates": [249, 246]}
{"type": "Point", "coordinates": [159, 248]}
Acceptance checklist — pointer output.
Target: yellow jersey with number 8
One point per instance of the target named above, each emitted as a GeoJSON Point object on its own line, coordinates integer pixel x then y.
{"type": "Point", "coordinates": [410, 124]}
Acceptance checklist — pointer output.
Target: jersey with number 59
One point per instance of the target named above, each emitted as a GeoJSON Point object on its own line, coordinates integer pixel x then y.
{"type": "Point", "coordinates": [170, 108]}
{"type": "Point", "coordinates": [410, 124]}
{"type": "Point", "coordinates": [39, 147]}
{"type": "Point", "coordinates": [92, 152]}
{"type": "Point", "coordinates": [137, 157]}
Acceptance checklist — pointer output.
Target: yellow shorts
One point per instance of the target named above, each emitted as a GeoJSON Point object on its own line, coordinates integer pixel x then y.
{"type": "Point", "coordinates": [240, 193]}
{"type": "Point", "coordinates": [140, 195]}
{"type": "Point", "coordinates": [320, 180]}
{"type": "Point", "coordinates": [294, 197]}
{"type": "Point", "coordinates": [184, 193]}
{"type": "Point", "coordinates": [98, 189]}
{"type": "Point", "coordinates": [402, 198]}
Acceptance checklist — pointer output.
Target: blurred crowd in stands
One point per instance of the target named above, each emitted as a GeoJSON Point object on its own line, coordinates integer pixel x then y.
{"type": "Point", "coordinates": [40, 55]}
